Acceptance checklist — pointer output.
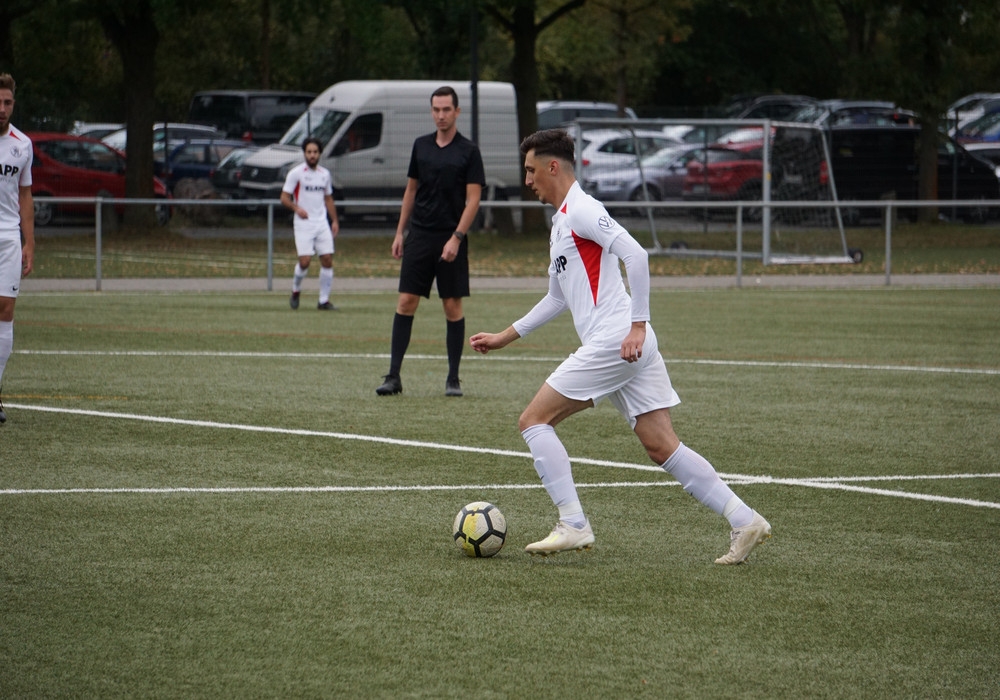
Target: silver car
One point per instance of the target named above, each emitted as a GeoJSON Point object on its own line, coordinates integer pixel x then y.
{"type": "Point", "coordinates": [663, 173]}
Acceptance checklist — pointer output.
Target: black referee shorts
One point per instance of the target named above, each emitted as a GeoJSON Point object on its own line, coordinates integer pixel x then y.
{"type": "Point", "coordinates": [422, 264]}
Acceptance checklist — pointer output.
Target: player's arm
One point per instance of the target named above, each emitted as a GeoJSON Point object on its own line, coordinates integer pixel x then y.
{"type": "Point", "coordinates": [331, 209]}
{"type": "Point", "coordinates": [289, 203]}
{"type": "Point", "coordinates": [636, 261]}
{"type": "Point", "coordinates": [550, 306]}
{"type": "Point", "coordinates": [27, 210]}
{"type": "Point", "coordinates": [405, 212]}
{"type": "Point", "coordinates": [473, 195]}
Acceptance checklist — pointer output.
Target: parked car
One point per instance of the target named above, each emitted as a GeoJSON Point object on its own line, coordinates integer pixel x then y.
{"type": "Point", "coordinates": [76, 166]}
{"type": "Point", "coordinates": [829, 113]}
{"type": "Point", "coordinates": [162, 131]}
{"type": "Point", "coordinates": [554, 113]}
{"type": "Point", "coordinates": [873, 163]}
{"type": "Point", "coordinates": [258, 116]}
{"type": "Point", "coordinates": [968, 106]}
{"type": "Point", "coordinates": [95, 130]}
{"type": "Point", "coordinates": [727, 173]}
{"type": "Point", "coordinates": [194, 159]}
{"type": "Point", "coordinates": [604, 149]}
{"type": "Point", "coordinates": [985, 128]}
{"type": "Point", "coordinates": [775, 107]}
{"type": "Point", "coordinates": [225, 177]}
{"type": "Point", "coordinates": [662, 172]}
{"type": "Point", "coordinates": [985, 150]}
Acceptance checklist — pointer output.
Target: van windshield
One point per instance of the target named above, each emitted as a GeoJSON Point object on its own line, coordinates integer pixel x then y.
{"type": "Point", "coordinates": [317, 123]}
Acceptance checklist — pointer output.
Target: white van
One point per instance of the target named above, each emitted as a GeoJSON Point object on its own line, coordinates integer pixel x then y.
{"type": "Point", "coordinates": [367, 128]}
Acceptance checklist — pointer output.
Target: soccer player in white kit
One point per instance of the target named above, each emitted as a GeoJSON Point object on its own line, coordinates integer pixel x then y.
{"type": "Point", "coordinates": [308, 192]}
{"type": "Point", "coordinates": [17, 218]}
{"type": "Point", "coordinates": [619, 358]}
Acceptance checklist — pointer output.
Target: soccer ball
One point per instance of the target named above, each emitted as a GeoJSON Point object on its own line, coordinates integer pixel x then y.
{"type": "Point", "coordinates": [480, 529]}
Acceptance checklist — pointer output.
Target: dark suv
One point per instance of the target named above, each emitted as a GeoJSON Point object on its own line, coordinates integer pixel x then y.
{"type": "Point", "coordinates": [260, 116]}
{"type": "Point", "coordinates": [881, 162]}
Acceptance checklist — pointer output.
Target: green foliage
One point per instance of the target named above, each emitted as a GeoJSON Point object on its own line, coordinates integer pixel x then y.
{"type": "Point", "coordinates": [222, 591]}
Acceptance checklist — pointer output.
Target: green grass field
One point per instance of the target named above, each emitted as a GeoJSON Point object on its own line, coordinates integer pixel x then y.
{"type": "Point", "coordinates": [201, 496]}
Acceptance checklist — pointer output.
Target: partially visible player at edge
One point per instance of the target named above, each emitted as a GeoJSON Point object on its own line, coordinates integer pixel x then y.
{"type": "Point", "coordinates": [619, 358]}
{"type": "Point", "coordinates": [17, 220]}
{"type": "Point", "coordinates": [308, 192]}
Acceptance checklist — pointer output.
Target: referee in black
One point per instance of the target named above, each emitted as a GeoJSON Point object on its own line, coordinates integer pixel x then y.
{"type": "Point", "coordinates": [444, 184]}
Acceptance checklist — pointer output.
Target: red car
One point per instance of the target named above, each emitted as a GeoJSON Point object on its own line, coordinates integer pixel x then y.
{"type": "Point", "coordinates": [727, 173]}
{"type": "Point", "coordinates": [76, 166]}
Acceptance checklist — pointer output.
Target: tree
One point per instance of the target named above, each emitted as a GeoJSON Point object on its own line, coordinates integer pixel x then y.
{"type": "Point", "coordinates": [520, 24]}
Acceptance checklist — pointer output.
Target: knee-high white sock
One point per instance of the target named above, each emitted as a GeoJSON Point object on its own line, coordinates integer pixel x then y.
{"type": "Point", "coordinates": [6, 344]}
{"type": "Point", "coordinates": [325, 284]}
{"type": "Point", "coordinates": [699, 478]}
{"type": "Point", "coordinates": [553, 467]}
{"type": "Point", "coordinates": [297, 278]}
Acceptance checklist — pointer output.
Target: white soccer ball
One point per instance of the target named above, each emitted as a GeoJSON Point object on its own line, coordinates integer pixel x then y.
{"type": "Point", "coordinates": [480, 529]}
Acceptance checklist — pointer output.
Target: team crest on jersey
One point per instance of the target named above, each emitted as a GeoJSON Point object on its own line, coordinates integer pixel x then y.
{"type": "Point", "coordinates": [15, 151]}
{"type": "Point", "coordinates": [606, 223]}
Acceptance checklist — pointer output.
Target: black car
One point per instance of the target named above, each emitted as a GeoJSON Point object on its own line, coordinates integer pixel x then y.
{"type": "Point", "coordinates": [881, 162]}
{"type": "Point", "coordinates": [260, 116]}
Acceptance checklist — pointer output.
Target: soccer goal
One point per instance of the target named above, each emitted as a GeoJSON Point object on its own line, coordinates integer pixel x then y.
{"type": "Point", "coordinates": [717, 188]}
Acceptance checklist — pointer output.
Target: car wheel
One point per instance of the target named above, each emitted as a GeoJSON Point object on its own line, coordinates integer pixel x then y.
{"type": "Point", "coordinates": [751, 192]}
{"type": "Point", "coordinates": [44, 211]}
{"type": "Point", "coordinates": [639, 196]}
{"type": "Point", "coordinates": [163, 214]}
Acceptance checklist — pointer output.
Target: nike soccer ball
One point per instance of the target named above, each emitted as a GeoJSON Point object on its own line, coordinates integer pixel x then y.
{"type": "Point", "coordinates": [480, 529]}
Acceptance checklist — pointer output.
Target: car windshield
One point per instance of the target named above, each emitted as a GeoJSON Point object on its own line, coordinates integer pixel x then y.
{"type": "Point", "coordinates": [321, 124]}
{"type": "Point", "coordinates": [808, 114]}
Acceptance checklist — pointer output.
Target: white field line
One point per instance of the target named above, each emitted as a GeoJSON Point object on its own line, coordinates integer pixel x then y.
{"type": "Point", "coordinates": [507, 358]}
{"type": "Point", "coordinates": [819, 482]}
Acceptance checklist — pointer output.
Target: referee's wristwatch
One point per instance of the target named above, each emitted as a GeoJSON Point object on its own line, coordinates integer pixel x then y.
{"type": "Point", "coordinates": [459, 235]}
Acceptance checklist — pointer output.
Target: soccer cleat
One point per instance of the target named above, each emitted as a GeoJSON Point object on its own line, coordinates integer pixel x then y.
{"type": "Point", "coordinates": [326, 306]}
{"type": "Point", "coordinates": [742, 540]}
{"type": "Point", "coordinates": [452, 387]}
{"type": "Point", "coordinates": [392, 385]}
{"type": "Point", "coordinates": [563, 539]}
{"type": "Point", "coordinates": [294, 301]}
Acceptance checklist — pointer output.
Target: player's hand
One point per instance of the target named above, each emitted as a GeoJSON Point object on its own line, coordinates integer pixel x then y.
{"type": "Point", "coordinates": [301, 213]}
{"type": "Point", "coordinates": [632, 345]}
{"type": "Point", "coordinates": [397, 246]}
{"type": "Point", "coordinates": [27, 261]}
{"type": "Point", "coordinates": [484, 342]}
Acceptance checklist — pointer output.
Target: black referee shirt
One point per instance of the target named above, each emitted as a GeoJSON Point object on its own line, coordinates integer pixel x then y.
{"type": "Point", "coordinates": [442, 175]}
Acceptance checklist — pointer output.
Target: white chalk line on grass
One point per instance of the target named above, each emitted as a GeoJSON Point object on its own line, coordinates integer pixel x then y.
{"type": "Point", "coordinates": [509, 358]}
{"type": "Point", "coordinates": [817, 482]}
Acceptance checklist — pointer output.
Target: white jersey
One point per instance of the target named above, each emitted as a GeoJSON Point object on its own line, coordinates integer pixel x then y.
{"type": "Point", "coordinates": [309, 188]}
{"type": "Point", "coordinates": [15, 172]}
{"type": "Point", "coordinates": [587, 272]}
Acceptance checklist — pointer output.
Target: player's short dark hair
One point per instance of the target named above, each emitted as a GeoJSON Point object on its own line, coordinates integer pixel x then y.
{"type": "Point", "coordinates": [312, 139]}
{"type": "Point", "coordinates": [7, 82]}
{"type": "Point", "coordinates": [446, 91]}
{"type": "Point", "coordinates": [554, 143]}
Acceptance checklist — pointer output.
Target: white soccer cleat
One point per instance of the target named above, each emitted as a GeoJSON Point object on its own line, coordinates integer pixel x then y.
{"type": "Point", "coordinates": [563, 538]}
{"type": "Point", "coordinates": [743, 540]}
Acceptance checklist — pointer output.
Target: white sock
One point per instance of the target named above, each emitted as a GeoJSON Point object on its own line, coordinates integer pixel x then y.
{"type": "Point", "coordinates": [699, 478]}
{"type": "Point", "coordinates": [325, 284]}
{"type": "Point", "coordinates": [297, 278]}
{"type": "Point", "coordinates": [6, 344]}
{"type": "Point", "coordinates": [552, 465]}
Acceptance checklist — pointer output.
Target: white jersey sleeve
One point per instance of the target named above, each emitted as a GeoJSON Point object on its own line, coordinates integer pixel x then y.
{"type": "Point", "coordinates": [550, 306]}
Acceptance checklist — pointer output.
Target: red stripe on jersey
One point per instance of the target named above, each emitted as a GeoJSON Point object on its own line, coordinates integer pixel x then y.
{"type": "Point", "coordinates": [590, 254]}
{"type": "Point", "coordinates": [295, 192]}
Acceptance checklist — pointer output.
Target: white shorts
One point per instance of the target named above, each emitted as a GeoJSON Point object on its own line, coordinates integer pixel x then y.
{"type": "Point", "coordinates": [10, 266]}
{"type": "Point", "coordinates": [634, 388]}
{"type": "Point", "coordinates": [313, 238]}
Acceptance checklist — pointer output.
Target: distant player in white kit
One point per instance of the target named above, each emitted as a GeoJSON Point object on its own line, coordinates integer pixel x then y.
{"type": "Point", "coordinates": [308, 192]}
{"type": "Point", "coordinates": [619, 358]}
{"type": "Point", "coordinates": [17, 219]}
